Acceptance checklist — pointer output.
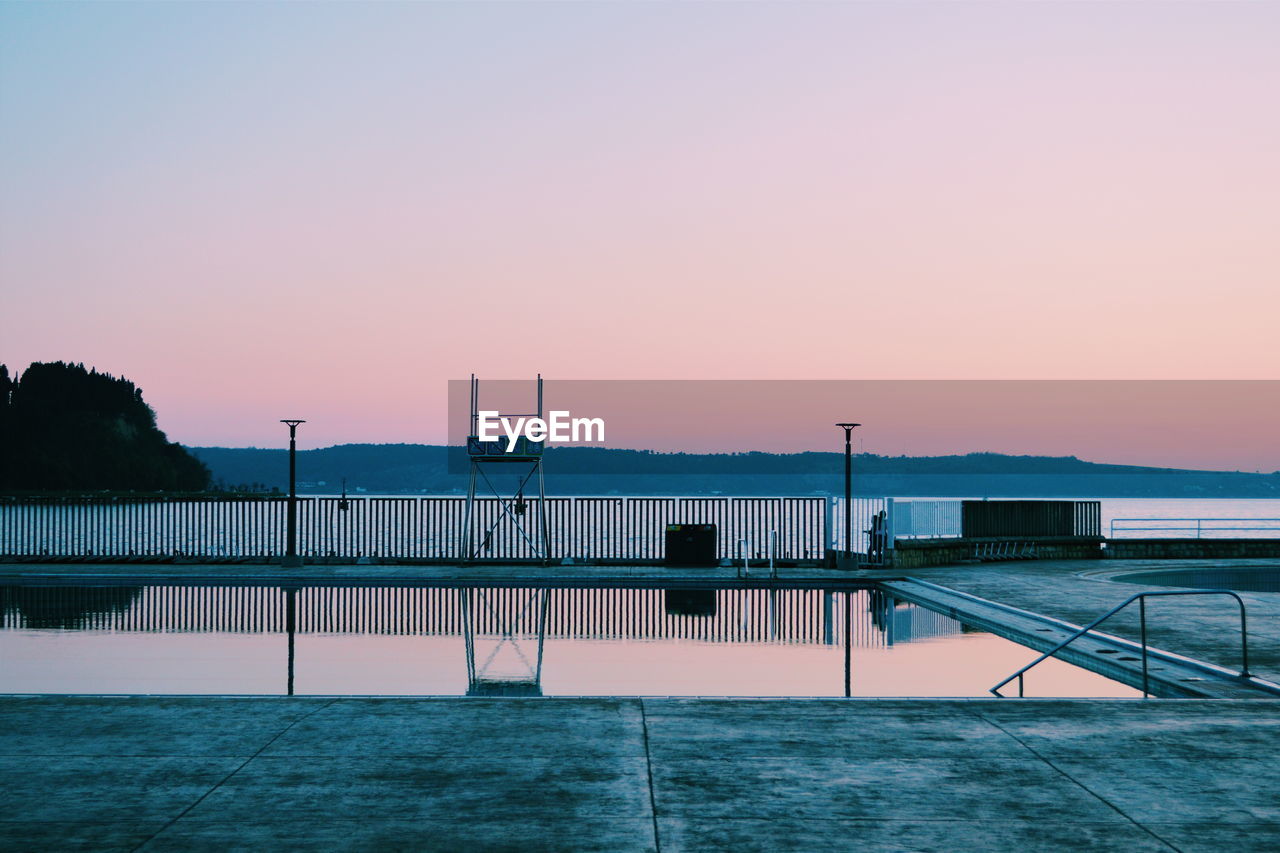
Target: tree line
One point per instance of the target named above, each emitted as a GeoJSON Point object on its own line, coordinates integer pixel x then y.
{"type": "Point", "coordinates": [65, 427]}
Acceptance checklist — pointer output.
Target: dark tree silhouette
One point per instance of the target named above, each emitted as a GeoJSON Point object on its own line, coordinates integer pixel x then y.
{"type": "Point", "coordinates": [65, 427]}
{"type": "Point", "coordinates": [66, 608]}
{"type": "Point", "coordinates": [6, 445]}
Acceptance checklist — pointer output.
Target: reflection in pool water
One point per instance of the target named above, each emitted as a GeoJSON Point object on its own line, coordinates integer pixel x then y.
{"type": "Point", "coordinates": [503, 641]}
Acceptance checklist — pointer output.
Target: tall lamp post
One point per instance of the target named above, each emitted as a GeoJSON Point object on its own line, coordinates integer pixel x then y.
{"type": "Point", "coordinates": [291, 555]}
{"type": "Point", "coordinates": [848, 486]}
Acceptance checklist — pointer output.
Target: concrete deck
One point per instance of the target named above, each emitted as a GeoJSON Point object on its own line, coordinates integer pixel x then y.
{"type": "Point", "coordinates": [153, 773]}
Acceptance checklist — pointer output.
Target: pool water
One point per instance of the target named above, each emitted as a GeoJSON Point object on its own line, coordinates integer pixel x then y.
{"type": "Point", "coordinates": [1240, 579]}
{"type": "Point", "coordinates": [427, 640]}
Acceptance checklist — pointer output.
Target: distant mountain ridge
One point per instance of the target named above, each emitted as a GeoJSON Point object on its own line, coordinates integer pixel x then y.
{"type": "Point", "coordinates": [419, 469]}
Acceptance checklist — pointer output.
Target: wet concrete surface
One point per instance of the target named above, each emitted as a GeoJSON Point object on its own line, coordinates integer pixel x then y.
{"type": "Point", "coordinates": [232, 773]}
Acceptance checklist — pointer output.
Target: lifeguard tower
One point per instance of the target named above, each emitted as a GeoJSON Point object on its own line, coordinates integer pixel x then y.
{"type": "Point", "coordinates": [509, 531]}
{"type": "Point", "coordinates": [505, 632]}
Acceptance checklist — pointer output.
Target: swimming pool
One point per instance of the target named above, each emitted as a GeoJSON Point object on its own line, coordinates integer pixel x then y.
{"type": "Point", "coordinates": [1240, 579]}
{"type": "Point", "coordinates": [530, 641]}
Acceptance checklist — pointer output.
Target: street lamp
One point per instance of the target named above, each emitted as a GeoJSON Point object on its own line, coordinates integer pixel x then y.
{"type": "Point", "coordinates": [848, 486]}
{"type": "Point", "coordinates": [291, 555]}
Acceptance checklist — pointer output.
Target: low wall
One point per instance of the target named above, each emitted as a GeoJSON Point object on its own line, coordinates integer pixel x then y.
{"type": "Point", "coordinates": [1190, 549]}
{"type": "Point", "coordinates": [923, 553]}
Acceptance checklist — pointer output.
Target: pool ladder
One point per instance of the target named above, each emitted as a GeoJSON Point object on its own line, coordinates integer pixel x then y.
{"type": "Point", "coordinates": [744, 545]}
{"type": "Point", "coordinates": [1141, 598]}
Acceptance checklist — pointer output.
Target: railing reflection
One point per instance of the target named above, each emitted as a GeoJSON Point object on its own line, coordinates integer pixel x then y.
{"type": "Point", "coordinates": [504, 630]}
{"type": "Point", "coordinates": [67, 608]}
{"type": "Point", "coordinates": [721, 615]}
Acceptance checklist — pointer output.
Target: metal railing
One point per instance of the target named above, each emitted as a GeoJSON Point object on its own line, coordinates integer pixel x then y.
{"type": "Point", "coordinates": [928, 519]}
{"type": "Point", "coordinates": [1141, 598]}
{"type": "Point", "coordinates": [1200, 526]}
{"type": "Point", "coordinates": [413, 528]}
{"type": "Point", "coordinates": [744, 552]}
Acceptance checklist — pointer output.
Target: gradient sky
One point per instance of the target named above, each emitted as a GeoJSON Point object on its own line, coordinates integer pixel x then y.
{"type": "Point", "coordinates": [326, 211]}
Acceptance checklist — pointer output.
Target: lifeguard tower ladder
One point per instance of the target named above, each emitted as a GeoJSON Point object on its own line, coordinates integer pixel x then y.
{"type": "Point", "coordinates": [525, 461]}
{"type": "Point", "coordinates": [505, 632]}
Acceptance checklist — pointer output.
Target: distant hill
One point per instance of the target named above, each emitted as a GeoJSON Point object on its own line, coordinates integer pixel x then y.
{"type": "Point", "coordinates": [419, 469]}
{"type": "Point", "coordinates": [65, 427]}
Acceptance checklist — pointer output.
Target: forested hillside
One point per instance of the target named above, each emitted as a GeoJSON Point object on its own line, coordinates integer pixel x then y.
{"type": "Point", "coordinates": [63, 427]}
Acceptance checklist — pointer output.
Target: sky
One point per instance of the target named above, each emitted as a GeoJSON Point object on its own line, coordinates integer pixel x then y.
{"type": "Point", "coordinates": [327, 211]}
{"type": "Point", "coordinates": [1205, 424]}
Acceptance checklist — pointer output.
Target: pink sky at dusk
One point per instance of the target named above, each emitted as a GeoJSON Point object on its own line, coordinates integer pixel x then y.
{"type": "Point", "coordinates": [326, 211]}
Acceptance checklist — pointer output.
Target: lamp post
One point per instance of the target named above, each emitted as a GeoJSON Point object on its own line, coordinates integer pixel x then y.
{"type": "Point", "coordinates": [291, 554]}
{"type": "Point", "coordinates": [848, 486]}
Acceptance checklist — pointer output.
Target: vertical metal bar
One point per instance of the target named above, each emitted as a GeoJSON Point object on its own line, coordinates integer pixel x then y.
{"type": "Point", "coordinates": [291, 554]}
{"type": "Point", "coordinates": [848, 495]}
{"type": "Point", "coordinates": [546, 602]}
{"type": "Point", "coordinates": [467, 545]}
{"type": "Point", "coordinates": [848, 644]}
{"type": "Point", "coordinates": [1142, 622]}
{"type": "Point", "coordinates": [291, 616]}
{"type": "Point", "coordinates": [475, 393]}
{"type": "Point", "coordinates": [1244, 640]}
{"type": "Point", "coordinates": [829, 523]}
{"type": "Point", "coordinates": [542, 503]}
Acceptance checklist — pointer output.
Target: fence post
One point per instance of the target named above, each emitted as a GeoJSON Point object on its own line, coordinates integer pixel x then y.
{"type": "Point", "coordinates": [830, 522]}
{"type": "Point", "coordinates": [890, 526]}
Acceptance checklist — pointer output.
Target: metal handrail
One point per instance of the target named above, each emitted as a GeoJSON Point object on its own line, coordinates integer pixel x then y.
{"type": "Point", "coordinates": [1199, 528]}
{"type": "Point", "coordinates": [1141, 598]}
{"type": "Point", "coordinates": [744, 545]}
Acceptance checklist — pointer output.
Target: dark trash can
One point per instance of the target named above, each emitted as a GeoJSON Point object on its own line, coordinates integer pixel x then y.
{"type": "Point", "coordinates": [691, 545]}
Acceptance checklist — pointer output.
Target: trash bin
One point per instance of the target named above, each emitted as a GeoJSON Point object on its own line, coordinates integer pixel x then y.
{"type": "Point", "coordinates": [691, 545]}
